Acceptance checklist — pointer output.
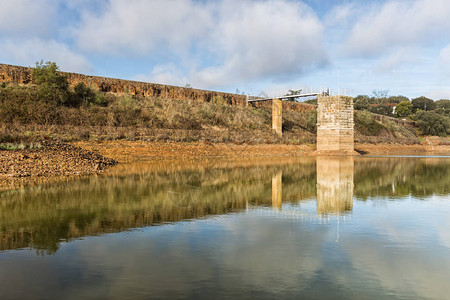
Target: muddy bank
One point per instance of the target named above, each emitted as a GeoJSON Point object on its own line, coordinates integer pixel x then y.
{"type": "Point", "coordinates": [401, 149]}
{"type": "Point", "coordinates": [131, 151]}
{"type": "Point", "coordinates": [61, 161]}
{"type": "Point", "coordinates": [52, 159]}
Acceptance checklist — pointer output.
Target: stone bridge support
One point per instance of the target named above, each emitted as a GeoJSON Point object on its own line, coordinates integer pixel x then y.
{"type": "Point", "coordinates": [335, 126]}
{"type": "Point", "coordinates": [277, 117]}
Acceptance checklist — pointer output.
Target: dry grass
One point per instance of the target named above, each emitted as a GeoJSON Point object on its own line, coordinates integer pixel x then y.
{"type": "Point", "coordinates": [158, 119]}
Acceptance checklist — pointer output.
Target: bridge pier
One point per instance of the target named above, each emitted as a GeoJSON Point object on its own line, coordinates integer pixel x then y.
{"type": "Point", "coordinates": [335, 126]}
{"type": "Point", "coordinates": [277, 118]}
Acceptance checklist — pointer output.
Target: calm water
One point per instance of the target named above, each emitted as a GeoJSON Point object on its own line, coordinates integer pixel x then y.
{"type": "Point", "coordinates": [325, 228]}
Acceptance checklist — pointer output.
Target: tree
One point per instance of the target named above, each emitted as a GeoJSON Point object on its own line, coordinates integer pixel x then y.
{"type": "Point", "coordinates": [380, 96]}
{"type": "Point", "coordinates": [433, 123]}
{"type": "Point", "coordinates": [380, 93]}
{"type": "Point", "coordinates": [397, 99]}
{"type": "Point", "coordinates": [83, 92]}
{"type": "Point", "coordinates": [381, 110]}
{"type": "Point", "coordinates": [444, 106]}
{"type": "Point", "coordinates": [403, 109]}
{"type": "Point", "coordinates": [422, 103]}
{"type": "Point", "coordinates": [53, 87]}
{"type": "Point", "coordinates": [361, 102]}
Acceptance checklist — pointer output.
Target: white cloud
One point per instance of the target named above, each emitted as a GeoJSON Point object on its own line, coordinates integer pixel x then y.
{"type": "Point", "coordinates": [444, 56]}
{"type": "Point", "coordinates": [399, 23]}
{"type": "Point", "coordinates": [27, 17]}
{"type": "Point", "coordinates": [219, 43]}
{"type": "Point", "coordinates": [263, 39]}
{"type": "Point", "coordinates": [166, 73]}
{"type": "Point", "coordinates": [26, 52]}
{"type": "Point", "coordinates": [342, 14]}
{"type": "Point", "coordinates": [140, 26]}
{"type": "Point", "coordinates": [396, 59]}
{"type": "Point", "coordinates": [438, 94]}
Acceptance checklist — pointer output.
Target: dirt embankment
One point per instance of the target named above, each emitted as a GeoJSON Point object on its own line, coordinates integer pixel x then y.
{"type": "Point", "coordinates": [53, 159]}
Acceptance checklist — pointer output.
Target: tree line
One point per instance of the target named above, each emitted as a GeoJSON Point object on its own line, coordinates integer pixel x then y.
{"type": "Point", "coordinates": [432, 117]}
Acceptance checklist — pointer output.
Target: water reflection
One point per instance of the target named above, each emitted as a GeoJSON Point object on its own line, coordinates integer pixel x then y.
{"type": "Point", "coordinates": [335, 184]}
{"type": "Point", "coordinates": [395, 245]}
{"type": "Point", "coordinates": [132, 196]}
{"type": "Point", "coordinates": [139, 196]}
{"type": "Point", "coordinates": [277, 192]}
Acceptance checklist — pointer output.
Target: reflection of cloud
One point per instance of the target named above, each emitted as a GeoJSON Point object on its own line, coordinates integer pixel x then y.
{"type": "Point", "coordinates": [248, 254]}
{"type": "Point", "coordinates": [400, 249]}
{"type": "Point", "coordinates": [412, 272]}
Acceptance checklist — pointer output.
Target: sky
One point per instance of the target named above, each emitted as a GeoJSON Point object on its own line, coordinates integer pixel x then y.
{"type": "Point", "coordinates": [245, 46]}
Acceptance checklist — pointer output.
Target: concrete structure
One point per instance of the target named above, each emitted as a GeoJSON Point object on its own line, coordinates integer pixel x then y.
{"type": "Point", "coordinates": [335, 126]}
{"type": "Point", "coordinates": [277, 116]}
{"type": "Point", "coordinates": [334, 184]}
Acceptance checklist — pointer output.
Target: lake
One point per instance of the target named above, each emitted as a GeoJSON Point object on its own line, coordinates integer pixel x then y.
{"type": "Point", "coordinates": [321, 228]}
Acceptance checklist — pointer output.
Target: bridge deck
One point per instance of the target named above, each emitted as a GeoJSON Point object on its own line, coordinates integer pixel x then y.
{"type": "Point", "coordinates": [284, 97]}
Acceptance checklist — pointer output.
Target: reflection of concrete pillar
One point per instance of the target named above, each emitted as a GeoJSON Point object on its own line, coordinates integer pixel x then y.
{"type": "Point", "coordinates": [335, 126]}
{"type": "Point", "coordinates": [334, 184]}
{"type": "Point", "coordinates": [277, 183]}
{"type": "Point", "coordinates": [277, 118]}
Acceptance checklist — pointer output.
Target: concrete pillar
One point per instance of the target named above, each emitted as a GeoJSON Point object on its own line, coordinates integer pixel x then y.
{"type": "Point", "coordinates": [334, 184]}
{"type": "Point", "coordinates": [277, 118]}
{"type": "Point", "coordinates": [277, 184]}
{"type": "Point", "coordinates": [335, 126]}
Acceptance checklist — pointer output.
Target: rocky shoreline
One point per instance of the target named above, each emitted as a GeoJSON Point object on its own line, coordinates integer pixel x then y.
{"type": "Point", "coordinates": [51, 159]}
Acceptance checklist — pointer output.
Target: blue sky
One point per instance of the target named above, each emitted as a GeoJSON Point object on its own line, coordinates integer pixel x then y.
{"type": "Point", "coordinates": [355, 47]}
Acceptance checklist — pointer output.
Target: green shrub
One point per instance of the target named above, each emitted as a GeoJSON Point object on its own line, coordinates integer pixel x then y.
{"type": "Point", "coordinates": [433, 123]}
{"type": "Point", "coordinates": [443, 107]}
{"type": "Point", "coordinates": [53, 87]}
{"type": "Point", "coordinates": [403, 109]}
{"type": "Point", "coordinates": [366, 124]}
{"type": "Point", "coordinates": [422, 103]}
{"type": "Point", "coordinates": [381, 110]}
{"type": "Point", "coordinates": [311, 101]}
{"type": "Point", "coordinates": [361, 102]}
